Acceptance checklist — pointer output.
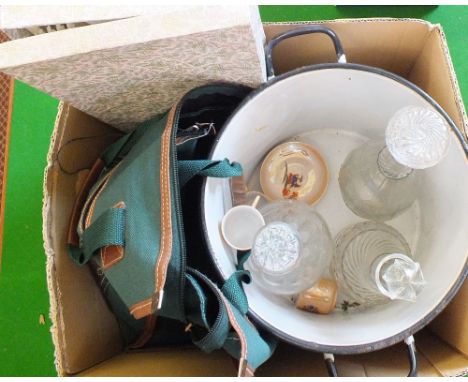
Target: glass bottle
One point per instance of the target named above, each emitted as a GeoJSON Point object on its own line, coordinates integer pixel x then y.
{"type": "Point", "coordinates": [373, 264]}
{"type": "Point", "coordinates": [292, 251]}
{"type": "Point", "coordinates": [380, 179]}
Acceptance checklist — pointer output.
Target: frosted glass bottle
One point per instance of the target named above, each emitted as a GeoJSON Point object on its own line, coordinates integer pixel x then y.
{"type": "Point", "coordinates": [381, 179]}
{"type": "Point", "coordinates": [292, 251]}
{"type": "Point", "coordinates": [373, 265]}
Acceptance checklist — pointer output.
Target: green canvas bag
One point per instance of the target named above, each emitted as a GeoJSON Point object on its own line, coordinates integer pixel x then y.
{"type": "Point", "coordinates": [136, 222]}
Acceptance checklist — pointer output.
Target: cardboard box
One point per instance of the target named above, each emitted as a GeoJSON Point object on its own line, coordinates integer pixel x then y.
{"type": "Point", "coordinates": [85, 332]}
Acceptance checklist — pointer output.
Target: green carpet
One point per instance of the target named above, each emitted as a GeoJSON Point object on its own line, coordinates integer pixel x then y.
{"type": "Point", "coordinates": [25, 345]}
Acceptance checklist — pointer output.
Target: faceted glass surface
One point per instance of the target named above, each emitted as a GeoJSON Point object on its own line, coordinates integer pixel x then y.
{"type": "Point", "coordinates": [403, 280]}
{"type": "Point", "coordinates": [292, 251]}
{"type": "Point", "coordinates": [276, 248]}
{"type": "Point", "coordinates": [417, 137]}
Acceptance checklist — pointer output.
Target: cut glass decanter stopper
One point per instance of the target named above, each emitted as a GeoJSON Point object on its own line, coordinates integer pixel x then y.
{"type": "Point", "coordinates": [276, 248]}
{"type": "Point", "coordinates": [292, 251]}
{"type": "Point", "coordinates": [417, 137]}
{"type": "Point", "coordinates": [399, 277]}
{"type": "Point", "coordinates": [380, 180]}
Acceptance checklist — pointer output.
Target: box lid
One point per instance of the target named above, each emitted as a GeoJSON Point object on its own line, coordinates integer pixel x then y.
{"type": "Point", "coordinates": [125, 71]}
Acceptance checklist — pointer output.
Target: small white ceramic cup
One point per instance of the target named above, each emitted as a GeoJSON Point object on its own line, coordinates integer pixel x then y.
{"type": "Point", "coordinates": [240, 225]}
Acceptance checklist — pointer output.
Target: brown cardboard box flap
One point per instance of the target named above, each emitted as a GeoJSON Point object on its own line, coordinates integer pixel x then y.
{"type": "Point", "coordinates": [391, 44]}
{"type": "Point", "coordinates": [288, 361]}
{"type": "Point", "coordinates": [447, 360]}
{"type": "Point", "coordinates": [433, 71]}
{"type": "Point", "coordinates": [84, 330]}
{"type": "Point", "coordinates": [452, 323]}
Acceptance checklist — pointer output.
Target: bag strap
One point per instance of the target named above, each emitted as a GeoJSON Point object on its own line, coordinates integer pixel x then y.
{"type": "Point", "coordinates": [107, 230]}
{"type": "Point", "coordinates": [115, 151]}
{"type": "Point", "coordinates": [244, 341]}
{"type": "Point", "coordinates": [205, 167]}
{"type": "Point", "coordinates": [234, 292]}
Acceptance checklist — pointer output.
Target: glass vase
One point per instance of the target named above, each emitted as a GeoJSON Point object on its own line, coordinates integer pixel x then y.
{"type": "Point", "coordinates": [373, 265]}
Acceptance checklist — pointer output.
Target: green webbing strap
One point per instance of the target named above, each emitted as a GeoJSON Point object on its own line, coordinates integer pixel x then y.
{"type": "Point", "coordinates": [260, 348]}
{"type": "Point", "coordinates": [107, 229]}
{"type": "Point", "coordinates": [76, 255]}
{"type": "Point", "coordinates": [219, 334]}
{"type": "Point", "coordinates": [242, 257]}
{"type": "Point", "coordinates": [218, 169]}
{"type": "Point", "coordinates": [218, 331]}
{"type": "Point", "coordinates": [234, 289]}
{"type": "Point", "coordinates": [195, 306]}
{"type": "Point", "coordinates": [234, 292]}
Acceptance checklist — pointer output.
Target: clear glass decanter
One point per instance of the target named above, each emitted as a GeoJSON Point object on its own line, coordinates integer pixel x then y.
{"type": "Point", "coordinates": [380, 179]}
{"type": "Point", "coordinates": [292, 251]}
{"type": "Point", "coordinates": [372, 265]}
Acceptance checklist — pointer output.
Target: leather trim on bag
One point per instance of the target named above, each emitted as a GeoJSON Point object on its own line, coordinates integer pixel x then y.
{"type": "Point", "coordinates": [165, 250]}
{"type": "Point", "coordinates": [73, 237]}
{"type": "Point", "coordinates": [90, 215]}
{"type": "Point", "coordinates": [148, 306]}
{"type": "Point", "coordinates": [242, 339]}
{"type": "Point", "coordinates": [112, 254]}
{"type": "Point", "coordinates": [145, 336]}
{"type": "Point", "coordinates": [141, 309]}
{"type": "Point", "coordinates": [249, 372]}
